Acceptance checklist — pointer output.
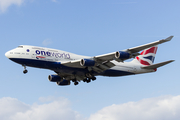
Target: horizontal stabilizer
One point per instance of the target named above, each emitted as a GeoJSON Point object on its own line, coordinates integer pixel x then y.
{"type": "Point", "coordinates": [154, 66]}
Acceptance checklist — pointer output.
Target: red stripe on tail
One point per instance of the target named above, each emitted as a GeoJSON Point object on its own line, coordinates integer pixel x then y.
{"type": "Point", "coordinates": [142, 61]}
{"type": "Point", "coordinates": [150, 50]}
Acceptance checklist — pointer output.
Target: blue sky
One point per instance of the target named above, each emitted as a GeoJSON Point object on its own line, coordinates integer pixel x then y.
{"type": "Point", "coordinates": [90, 27]}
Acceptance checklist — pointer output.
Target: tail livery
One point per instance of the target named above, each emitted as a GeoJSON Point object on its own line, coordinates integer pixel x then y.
{"type": "Point", "coordinates": [146, 59]}
{"type": "Point", "coordinates": [147, 56]}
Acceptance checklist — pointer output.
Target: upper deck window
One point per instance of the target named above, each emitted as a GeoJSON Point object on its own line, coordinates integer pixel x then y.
{"type": "Point", "coordinates": [20, 46]}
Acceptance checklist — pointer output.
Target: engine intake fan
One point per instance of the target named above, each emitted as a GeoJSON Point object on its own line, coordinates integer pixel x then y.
{"type": "Point", "coordinates": [87, 62]}
{"type": "Point", "coordinates": [122, 55]}
{"type": "Point", "coordinates": [54, 78]}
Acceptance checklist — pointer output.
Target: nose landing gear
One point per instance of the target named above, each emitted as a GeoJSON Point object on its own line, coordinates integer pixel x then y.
{"type": "Point", "coordinates": [25, 71]}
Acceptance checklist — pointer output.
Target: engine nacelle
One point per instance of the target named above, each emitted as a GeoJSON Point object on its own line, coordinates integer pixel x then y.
{"type": "Point", "coordinates": [122, 55]}
{"type": "Point", "coordinates": [54, 78]}
{"type": "Point", "coordinates": [64, 82]}
{"type": "Point", "coordinates": [87, 62]}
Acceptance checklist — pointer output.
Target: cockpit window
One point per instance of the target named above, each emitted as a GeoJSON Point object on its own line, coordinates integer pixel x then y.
{"type": "Point", "coordinates": [20, 46]}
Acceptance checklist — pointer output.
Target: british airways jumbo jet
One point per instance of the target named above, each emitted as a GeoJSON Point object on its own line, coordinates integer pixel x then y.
{"type": "Point", "coordinates": [71, 67]}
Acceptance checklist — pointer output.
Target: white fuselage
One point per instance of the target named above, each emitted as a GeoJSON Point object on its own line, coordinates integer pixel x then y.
{"type": "Point", "coordinates": [71, 67]}
{"type": "Point", "coordinates": [51, 59]}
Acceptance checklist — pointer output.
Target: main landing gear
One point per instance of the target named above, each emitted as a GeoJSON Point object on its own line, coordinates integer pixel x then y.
{"type": "Point", "coordinates": [25, 71]}
{"type": "Point", "coordinates": [75, 82]}
{"type": "Point", "coordinates": [88, 80]}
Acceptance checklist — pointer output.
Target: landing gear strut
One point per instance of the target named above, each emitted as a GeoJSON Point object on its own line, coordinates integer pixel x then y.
{"type": "Point", "coordinates": [89, 78]}
{"type": "Point", "coordinates": [25, 71]}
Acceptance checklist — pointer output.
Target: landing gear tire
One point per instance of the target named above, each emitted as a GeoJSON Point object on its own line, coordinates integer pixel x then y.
{"type": "Point", "coordinates": [76, 83]}
{"type": "Point", "coordinates": [94, 78]}
{"type": "Point", "coordinates": [25, 71]}
{"type": "Point", "coordinates": [88, 80]}
{"type": "Point", "coordinates": [85, 80]}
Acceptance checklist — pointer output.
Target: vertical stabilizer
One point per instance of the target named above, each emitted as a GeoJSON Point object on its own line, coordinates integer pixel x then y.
{"type": "Point", "coordinates": [147, 56]}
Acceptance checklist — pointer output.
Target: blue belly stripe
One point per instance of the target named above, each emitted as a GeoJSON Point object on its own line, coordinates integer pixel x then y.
{"type": "Point", "coordinates": [57, 66]}
{"type": "Point", "coordinates": [111, 72]}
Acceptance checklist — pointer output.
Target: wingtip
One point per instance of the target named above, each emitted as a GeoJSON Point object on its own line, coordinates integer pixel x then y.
{"type": "Point", "coordinates": [169, 38]}
{"type": "Point", "coordinates": [172, 60]}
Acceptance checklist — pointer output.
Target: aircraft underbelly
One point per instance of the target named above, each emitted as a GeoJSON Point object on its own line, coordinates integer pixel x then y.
{"type": "Point", "coordinates": [114, 73]}
{"type": "Point", "coordinates": [55, 66]}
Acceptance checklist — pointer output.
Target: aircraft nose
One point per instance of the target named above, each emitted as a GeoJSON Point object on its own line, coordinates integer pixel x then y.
{"type": "Point", "coordinates": [7, 54]}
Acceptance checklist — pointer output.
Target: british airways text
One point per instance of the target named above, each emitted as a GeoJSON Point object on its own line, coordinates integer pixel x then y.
{"type": "Point", "coordinates": [57, 55]}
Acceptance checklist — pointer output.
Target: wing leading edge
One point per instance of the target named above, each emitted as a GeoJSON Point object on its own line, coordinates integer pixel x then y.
{"type": "Point", "coordinates": [142, 47]}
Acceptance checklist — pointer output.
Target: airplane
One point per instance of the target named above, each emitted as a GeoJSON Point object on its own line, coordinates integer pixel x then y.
{"type": "Point", "coordinates": [72, 67]}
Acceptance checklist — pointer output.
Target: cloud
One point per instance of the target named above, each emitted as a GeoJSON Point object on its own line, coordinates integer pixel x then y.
{"type": "Point", "coordinates": [10, 106]}
{"type": "Point", "coordinates": [12, 109]}
{"type": "Point", "coordinates": [160, 108]}
{"type": "Point", "coordinates": [53, 108]}
{"type": "Point", "coordinates": [46, 42]}
{"type": "Point", "coordinates": [5, 4]}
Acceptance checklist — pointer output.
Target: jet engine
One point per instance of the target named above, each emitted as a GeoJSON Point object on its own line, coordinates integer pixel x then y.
{"type": "Point", "coordinates": [54, 78]}
{"type": "Point", "coordinates": [58, 80]}
{"type": "Point", "coordinates": [122, 55]}
{"type": "Point", "coordinates": [87, 62]}
{"type": "Point", "coordinates": [64, 82]}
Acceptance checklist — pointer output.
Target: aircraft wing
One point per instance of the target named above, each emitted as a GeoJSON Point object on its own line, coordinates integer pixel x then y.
{"type": "Point", "coordinates": [97, 66]}
{"type": "Point", "coordinates": [103, 62]}
{"type": "Point", "coordinates": [132, 51]}
{"type": "Point", "coordinates": [74, 63]}
{"type": "Point", "coordinates": [142, 47]}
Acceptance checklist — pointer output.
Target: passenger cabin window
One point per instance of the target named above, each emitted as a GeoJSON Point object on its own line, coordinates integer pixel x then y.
{"type": "Point", "coordinates": [20, 46]}
{"type": "Point", "coordinates": [16, 53]}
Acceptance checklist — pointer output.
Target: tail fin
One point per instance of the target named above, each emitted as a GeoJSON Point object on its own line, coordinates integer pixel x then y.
{"type": "Point", "coordinates": [147, 56]}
